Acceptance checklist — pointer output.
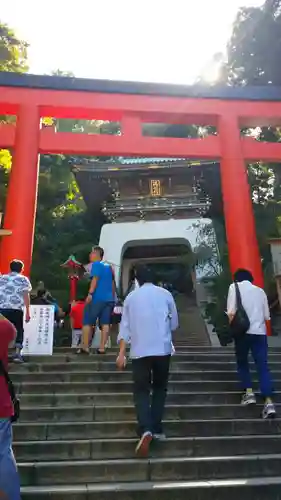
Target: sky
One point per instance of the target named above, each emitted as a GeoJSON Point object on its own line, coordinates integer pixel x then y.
{"type": "Point", "coordinates": [140, 40]}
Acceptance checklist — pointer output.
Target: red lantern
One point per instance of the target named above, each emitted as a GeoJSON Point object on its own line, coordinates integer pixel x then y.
{"type": "Point", "coordinates": [74, 272]}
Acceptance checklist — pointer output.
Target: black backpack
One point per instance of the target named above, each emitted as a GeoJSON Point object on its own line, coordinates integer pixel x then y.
{"type": "Point", "coordinates": [240, 323]}
{"type": "Point", "coordinates": [12, 392]}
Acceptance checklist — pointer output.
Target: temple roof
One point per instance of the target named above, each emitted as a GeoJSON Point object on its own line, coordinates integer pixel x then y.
{"type": "Point", "coordinates": [54, 82]}
{"type": "Point", "coordinates": [123, 161]}
{"type": "Point", "coordinates": [121, 164]}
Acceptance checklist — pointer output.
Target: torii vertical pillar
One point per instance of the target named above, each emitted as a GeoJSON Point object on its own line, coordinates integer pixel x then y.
{"type": "Point", "coordinates": [238, 209]}
{"type": "Point", "coordinates": [22, 191]}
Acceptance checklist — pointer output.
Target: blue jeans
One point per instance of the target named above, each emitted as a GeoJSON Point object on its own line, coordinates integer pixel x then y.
{"type": "Point", "coordinates": [9, 477]}
{"type": "Point", "coordinates": [257, 344]}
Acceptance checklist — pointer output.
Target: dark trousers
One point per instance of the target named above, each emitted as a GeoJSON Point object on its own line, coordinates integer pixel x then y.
{"type": "Point", "coordinates": [150, 373]}
{"type": "Point", "coordinates": [257, 344]}
{"type": "Point", "coordinates": [15, 316]}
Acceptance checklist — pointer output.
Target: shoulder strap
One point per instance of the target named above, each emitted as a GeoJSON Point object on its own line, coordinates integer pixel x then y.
{"type": "Point", "coordinates": [113, 279]}
{"type": "Point", "coordinates": [9, 383]}
{"type": "Point", "coordinates": [238, 296]}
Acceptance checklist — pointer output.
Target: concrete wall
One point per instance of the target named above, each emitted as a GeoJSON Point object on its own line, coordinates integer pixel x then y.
{"type": "Point", "coordinates": [116, 237]}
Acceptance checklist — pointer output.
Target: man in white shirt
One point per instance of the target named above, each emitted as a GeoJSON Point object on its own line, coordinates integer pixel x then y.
{"type": "Point", "coordinates": [14, 296]}
{"type": "Point", "coordinates": [254, 301]}
{"type": "Point", "coordinates": [149, 318]}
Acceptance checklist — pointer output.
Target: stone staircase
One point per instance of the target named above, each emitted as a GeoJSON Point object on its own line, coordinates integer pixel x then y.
{"type": "Point", "coordinates": [76, 436]}
{"type": "Point", "coordinates": [192, 330]}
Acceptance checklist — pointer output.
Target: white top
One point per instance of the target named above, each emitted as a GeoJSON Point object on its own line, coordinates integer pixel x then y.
{"type": "Point", "coordinates": [255, 303]}
{"type": "Point", "coordinates": [149, 317]}
{"type": "Point", "coordinates": [12, 288]}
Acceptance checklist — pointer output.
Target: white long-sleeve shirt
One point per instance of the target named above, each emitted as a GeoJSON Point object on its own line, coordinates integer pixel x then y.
{"type": "Point", "coordinates": [149, 318]}
{"type": "Point", "coordinates": [255, 303]}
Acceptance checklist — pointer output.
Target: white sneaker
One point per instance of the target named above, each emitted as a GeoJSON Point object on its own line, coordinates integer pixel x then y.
{"type": "Point", "coordinates": [160, 437]}
{"type": "Point", "coordinates": [248, 399]}
{"type": "Point", "coordinates": [269, 411]}
{"type": "Point", "coordinates": [143, 445]}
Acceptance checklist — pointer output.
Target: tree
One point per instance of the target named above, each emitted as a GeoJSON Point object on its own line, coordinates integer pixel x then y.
{"type": "Point", "coordinates": [13, 51]}
{"type": "Point", "coordinates": [254, 48]}
{"type": "Point", "coordinates": [13, 57]}
{"type": "Point", "coordinates": [253, 52]}
{"type": "Point", "coordinates": [63, 225]}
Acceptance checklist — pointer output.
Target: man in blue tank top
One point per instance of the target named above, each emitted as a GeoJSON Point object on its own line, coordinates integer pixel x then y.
{"type": "Point", "coordinates": [100, 300]}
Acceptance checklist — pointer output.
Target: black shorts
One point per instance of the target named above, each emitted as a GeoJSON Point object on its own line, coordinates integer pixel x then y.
{"type": "Point", "coordinates": [15, 316]}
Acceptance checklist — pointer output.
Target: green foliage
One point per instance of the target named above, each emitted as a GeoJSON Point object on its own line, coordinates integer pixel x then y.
{"type": "Point", "coordinates": [265, 191]}
{"type": "Point", "coordinates": [5, 160]}
{"type": "Point", "coordinates": [13, 57]}
{"type": "Point", "coordinates": [211, 256]}
{"type": "Point", "coordinates": [13, 51]}
{"type": "Point", "coordinates": [63, 226]}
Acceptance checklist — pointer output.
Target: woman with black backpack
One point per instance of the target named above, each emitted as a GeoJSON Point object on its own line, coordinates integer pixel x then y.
{"type": "Point", "coordinates": [248, 312]}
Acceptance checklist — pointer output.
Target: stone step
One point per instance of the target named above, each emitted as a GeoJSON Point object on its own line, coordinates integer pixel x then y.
{"type": "Point", "coordinates": [120, 386]}
{"type": "Point", "coordinates": [108, 413]}
{"type": "Point", "coordinates": [107, 376]}
{"type": "Point", "coordinates": [176, 365]}
{"type": "Point", "coordinates": [127, 429]}
{"type": "Point", "coordinates": [198, 342]}
{"type": "Point", "coordinates": [113, 399]}
{"type": "Point", "coordinates": [154, 469]}
{"type": "Point", "coordinates": [179, 345]}
{"type": "Point", "coordinates": [180, 356]}
{"type": "Point", "coordinates": [252, 489]}
{"type": "Point", "coordinates": [111, 366]}
{"type": "Point", "coordinates": [102, 449]}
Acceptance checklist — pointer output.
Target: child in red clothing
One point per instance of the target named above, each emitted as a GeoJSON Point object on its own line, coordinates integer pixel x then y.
{"type": "Point", "coordinates": [76, 319]}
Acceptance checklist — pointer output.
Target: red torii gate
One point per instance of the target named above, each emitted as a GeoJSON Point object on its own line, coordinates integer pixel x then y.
{"type": "Point", "coordinates": [31, 97]}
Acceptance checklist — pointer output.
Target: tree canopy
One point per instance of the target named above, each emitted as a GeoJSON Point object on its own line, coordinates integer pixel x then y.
{"type": "Point", "coordinates": [254, 48]}
{"type": "Point", "coordinates": [13, 51]}
{"type": "Point", "coordinates": [13, 57]}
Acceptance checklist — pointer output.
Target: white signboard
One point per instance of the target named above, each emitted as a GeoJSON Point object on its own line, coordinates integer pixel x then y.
{"type": "Point", "coordinates": [39, 332]}
{"type": "Point", "coordinates": [276, 257]}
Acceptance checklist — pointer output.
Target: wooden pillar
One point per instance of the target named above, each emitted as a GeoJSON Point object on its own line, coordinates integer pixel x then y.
{"type": "Point", "coordinates": [22, 191]}
{"type": "Point", "coordinates": [238, 209]}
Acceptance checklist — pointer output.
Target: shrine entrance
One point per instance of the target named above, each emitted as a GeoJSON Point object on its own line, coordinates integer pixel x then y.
{"type": "Point", "coordinates": [227, 110]}
{"type": "Point", "coordinates": [171, 265]}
